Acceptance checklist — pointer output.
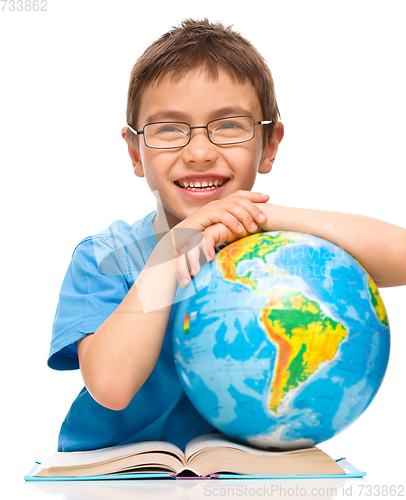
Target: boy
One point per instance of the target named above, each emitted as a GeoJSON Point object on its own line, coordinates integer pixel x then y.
{"type": "Point", "coordinates": [202, 121]}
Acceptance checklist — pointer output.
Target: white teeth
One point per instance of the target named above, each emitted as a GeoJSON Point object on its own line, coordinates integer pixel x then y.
{"type": "Point", "coordinates": [202, 189]}
{"type": "Point", "coordinates": [205, 185]}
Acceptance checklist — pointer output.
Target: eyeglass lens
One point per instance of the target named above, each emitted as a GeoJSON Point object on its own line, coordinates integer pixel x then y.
{"type": "Point", "coordinates": [176, 134]}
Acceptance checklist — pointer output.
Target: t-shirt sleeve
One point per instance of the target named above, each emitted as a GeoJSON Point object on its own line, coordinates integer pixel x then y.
{"type": "Point", "coordinates": [92, 289]}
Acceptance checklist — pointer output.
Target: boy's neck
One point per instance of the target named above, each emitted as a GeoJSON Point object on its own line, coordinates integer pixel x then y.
{"type": "Point", "coordinates": [163, 222]}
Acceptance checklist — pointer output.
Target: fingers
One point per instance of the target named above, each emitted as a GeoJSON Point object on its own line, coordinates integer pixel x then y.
{"type": "Point", "coordinates": [182, 271]}
{"type": "Point", "coordinates": [190, 260]}
{"type": "Point", "coordinates": [252, 215]}
{"type": "Point", "coordinates": [215, 235]}
{"type": "Point", "coordinates": [250, 194]}
{"type": "Point", "coordinates": [238, 213]}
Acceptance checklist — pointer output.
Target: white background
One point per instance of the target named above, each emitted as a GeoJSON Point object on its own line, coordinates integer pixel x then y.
{"type": "Point", "coordinates": [340, 84]}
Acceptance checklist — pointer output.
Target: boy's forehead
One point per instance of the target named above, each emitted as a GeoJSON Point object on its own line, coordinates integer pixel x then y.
{"type": "Point", "coordinates": [197, 96]}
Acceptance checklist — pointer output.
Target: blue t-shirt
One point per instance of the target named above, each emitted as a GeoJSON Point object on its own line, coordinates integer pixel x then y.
{"type": "Point", "coordinates": [102, 270]}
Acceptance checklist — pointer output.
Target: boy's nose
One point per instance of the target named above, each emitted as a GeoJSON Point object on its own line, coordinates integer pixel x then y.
{"type": "Point", "coordinates": [200, 149]}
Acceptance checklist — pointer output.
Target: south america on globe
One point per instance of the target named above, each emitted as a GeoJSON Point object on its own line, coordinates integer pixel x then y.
{"type": "Point", "coordinates": [282, 341]}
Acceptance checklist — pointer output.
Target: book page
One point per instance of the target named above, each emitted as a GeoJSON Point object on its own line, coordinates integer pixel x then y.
{"type": "Point", "coordinates": [218, 439]}
{"type": "Point", "coordinates": [77, 458]}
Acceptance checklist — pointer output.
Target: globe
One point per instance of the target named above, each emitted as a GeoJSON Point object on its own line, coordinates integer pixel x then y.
{"type": "Point", "coordinates": [282, 341]}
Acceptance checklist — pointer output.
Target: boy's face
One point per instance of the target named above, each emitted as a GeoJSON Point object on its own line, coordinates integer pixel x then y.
{"type": "Point", "coordinates": [197, 99]}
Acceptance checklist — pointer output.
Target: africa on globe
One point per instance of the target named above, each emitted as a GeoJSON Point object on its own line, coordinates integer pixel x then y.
{"type": "Point", "coordinates": [287, 342]}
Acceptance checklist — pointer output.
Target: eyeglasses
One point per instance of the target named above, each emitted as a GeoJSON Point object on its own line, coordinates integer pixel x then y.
{"type": "Point", "coordinates": [224, 131]}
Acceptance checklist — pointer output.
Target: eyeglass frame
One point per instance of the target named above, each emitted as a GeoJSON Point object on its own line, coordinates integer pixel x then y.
{"type": "Point", "coordinates": [141, 132]}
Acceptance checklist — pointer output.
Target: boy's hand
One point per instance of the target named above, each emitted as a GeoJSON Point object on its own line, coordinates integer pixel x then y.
{"type": "Point", "coordinates": [217, 235]}
{"type": "Point", "coordinates": [220, 221]}
{"type": "Point", "coordinates": [237, 211]}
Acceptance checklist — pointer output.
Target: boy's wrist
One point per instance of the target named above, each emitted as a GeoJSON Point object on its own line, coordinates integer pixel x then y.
{"type": "Point", "coordinates": [276, 217]}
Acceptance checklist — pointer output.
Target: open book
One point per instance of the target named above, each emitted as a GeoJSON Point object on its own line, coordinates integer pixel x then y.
{"type": "Point", "coordinates": [204, 456]}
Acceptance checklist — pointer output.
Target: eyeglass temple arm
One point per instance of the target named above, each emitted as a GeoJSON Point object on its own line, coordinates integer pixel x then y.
{"type": "Point", "coordinates": [140, 132]}
{"type": "Point", "coordinates": [264, 122]}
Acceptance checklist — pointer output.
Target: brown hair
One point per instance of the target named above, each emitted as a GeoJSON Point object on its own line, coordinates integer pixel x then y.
{"type": "Point", "coordinates": [212, 47]}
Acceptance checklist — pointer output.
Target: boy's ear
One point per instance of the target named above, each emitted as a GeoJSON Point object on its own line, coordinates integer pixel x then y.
{"type": "Point", "coordinates": [271, 150]}
{"type": "Point", "coordinates": [134, 153]}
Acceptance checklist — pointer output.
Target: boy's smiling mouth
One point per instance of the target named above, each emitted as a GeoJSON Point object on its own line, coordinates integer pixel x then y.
{"type": "Point", "coordinates": [201, 183]}
{"type": "Point", "coordinates": [201, 187]}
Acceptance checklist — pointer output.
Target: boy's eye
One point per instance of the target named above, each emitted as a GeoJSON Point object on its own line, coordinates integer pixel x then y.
{"type": "Point", "coordinates": [170, 129]}
{"type": "Point", "coordinates": [231, 128]}
{"type": "Point", "coordinates": [228, 125]}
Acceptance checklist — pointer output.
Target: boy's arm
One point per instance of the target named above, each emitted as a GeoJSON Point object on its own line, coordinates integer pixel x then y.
{"type": "Point", "coordinates": [116, 360]}
{"type": "Point", "coordinates": [378, 246]}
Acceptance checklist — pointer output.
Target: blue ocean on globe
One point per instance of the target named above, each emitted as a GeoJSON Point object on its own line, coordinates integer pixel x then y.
{"type": "Point", "coordinates": [282, 341]}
